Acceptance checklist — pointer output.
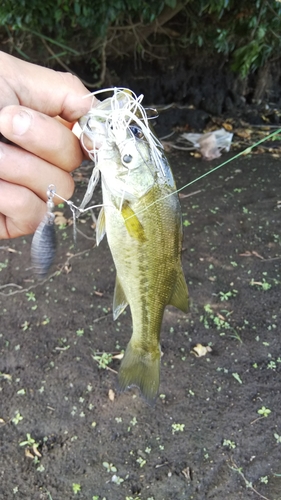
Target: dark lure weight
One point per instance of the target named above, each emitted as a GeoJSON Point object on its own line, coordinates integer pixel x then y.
{"type": "Point", "coordinates": [43, 247]}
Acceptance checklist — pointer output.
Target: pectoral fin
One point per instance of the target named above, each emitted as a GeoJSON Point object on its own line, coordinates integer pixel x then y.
{"type": "Point", "coordinates": [119, 300]}
{"type": "Point", "coordinates": [179, 296]}
{"type": "Point", "coordinates": [132, 223]}
{"type": "Point", "coordinates": [100, 227]}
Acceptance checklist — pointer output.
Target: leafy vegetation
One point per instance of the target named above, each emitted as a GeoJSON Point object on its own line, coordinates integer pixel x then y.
{"type": "Point", "coordinates": [247, 35]}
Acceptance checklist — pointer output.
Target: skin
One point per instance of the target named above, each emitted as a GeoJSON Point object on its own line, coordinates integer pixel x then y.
{"type": "Point", "coordinates": [38, 108]}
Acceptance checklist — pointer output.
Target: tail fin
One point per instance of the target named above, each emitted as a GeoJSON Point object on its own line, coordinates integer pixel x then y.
{"type": "Point", "coordinates": [142, 369]}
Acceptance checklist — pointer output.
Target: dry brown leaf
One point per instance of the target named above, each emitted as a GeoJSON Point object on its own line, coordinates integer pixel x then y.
{"type": "Point", "coordinates": [227, 126]}
{"type": "Point", "coordinates": [111, 395]}
{"type": "Point", "coordinates": [200, 350]}
{"type": "Point", "coordinates": [28, 453]}
{"type": "Point", "coordinates": [187, 473]}
{"type": "Point", "coordinates": [60, 219]}
{"type": "Point", "coordinates": [244, 133]}
{"type": "Point", "coordinates": [118, 356]}
{"type": "Point", "coordinates": [6, 376]}
{"type": "Point", "coordinates": [35, 451]}
{"type": "Point", "coordinates": [267, 120]}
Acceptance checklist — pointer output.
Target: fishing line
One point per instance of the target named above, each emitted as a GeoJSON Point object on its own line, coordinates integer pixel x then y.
{"type": "Point", "coordinates": [245, 151]}
{"type": "Point", "coordinates": [122, 113]}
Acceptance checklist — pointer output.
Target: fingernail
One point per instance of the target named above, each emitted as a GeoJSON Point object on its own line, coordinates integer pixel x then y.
{"type": "Point", "coordinates": [21, 123]}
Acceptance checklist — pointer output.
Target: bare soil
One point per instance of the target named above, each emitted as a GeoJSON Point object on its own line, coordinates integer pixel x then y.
{"type": "Point", "coordinates": [215, 431]}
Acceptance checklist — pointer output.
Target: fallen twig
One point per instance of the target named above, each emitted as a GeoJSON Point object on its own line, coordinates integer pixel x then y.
{"type": "Point", "coordinates": [189, 194]}
{"type": "Point", "coordinates": [9, 249]}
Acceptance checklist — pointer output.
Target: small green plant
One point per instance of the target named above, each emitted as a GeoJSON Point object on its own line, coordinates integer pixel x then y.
{"type": "Point", "coordinates": [29, 442]}
{"type": "Point", "coordinates": [237, 377]}
{"type": "Point", "coordinates": [264, 412]}
{"type": "Point", "coordinates": [178, 428]}
{"type": "Point", "coordinates": [109, 467]}
{"type": "Point", "coordinates": [21, 392]}
{"type": "Point", "coordinates": [263, 285]}
{"type": "Point", "coordinates": [17, 418]}
{"type": "Point", "coordinates": [3, 265]}
{"type": "Point", "coordinates": [141, 461]}
{"type": "Point", "coordinates": [227, 295]}
{"type": "Point", "coordinates": [76, 488]}
{"type": "Point", "coordinates": [116, 479]}
{"type": "Point", "coordinates": [31, 296]}
{"type": "Point", "coordinates": [271, 365]}
{"type": "Point", "coordinates": [277, 437]}
{"type": "Point", "coordinates": [229, 444]}
{"type": "Point", "coordinates": [219, 321]}
{"type": "Point", "coordinates": [45, 321]}
{"type": "Point", "coordinates": [264, 479]}
{"type": "Point", "coordinates": [25, 325]}
{"type": "Point", "coordinates": [80, 332]}
{"type": "Point", "coordinates": [103, 359]}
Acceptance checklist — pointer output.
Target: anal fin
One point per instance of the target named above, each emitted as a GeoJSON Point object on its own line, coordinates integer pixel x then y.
{"type": "Point", "coordinates": [179, 296]}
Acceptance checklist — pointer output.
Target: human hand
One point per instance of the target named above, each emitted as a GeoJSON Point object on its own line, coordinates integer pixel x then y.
{"type": "Point", "coordinates": [38, 107]}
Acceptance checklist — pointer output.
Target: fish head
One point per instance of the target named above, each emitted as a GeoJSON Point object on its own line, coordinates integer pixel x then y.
{"type": "Point", "coordinates": [126, 164]}
{"type": "Point", "coordinates": [123, 146]}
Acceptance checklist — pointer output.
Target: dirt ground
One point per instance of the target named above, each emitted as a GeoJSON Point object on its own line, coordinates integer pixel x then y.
{"type": "Point", "coordinates": [215, 431]}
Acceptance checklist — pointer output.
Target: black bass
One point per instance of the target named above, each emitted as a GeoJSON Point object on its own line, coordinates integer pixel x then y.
{"type": "Point", "coordinates": [141, 217]}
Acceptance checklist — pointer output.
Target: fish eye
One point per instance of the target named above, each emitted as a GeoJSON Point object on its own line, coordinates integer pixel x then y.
{"type": "Point", "coordinates": [127, 158]}
{"type": "Point", "coordinates": [136, 131]}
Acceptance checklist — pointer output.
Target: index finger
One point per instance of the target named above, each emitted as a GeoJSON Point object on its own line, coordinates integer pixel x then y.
{"type": "Point", "coordinates": [42, 89]}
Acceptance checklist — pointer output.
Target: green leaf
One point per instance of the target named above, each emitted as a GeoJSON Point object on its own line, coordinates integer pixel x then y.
{"type": "Point", "coordinates": [171, 3]}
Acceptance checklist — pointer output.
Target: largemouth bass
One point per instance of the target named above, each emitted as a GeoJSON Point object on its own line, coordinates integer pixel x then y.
{"type": "Point", "coordinates": [141, 217]}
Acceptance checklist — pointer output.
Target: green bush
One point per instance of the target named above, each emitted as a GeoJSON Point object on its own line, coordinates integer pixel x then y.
{"type": "Point", "coordinates": [245, 33]}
